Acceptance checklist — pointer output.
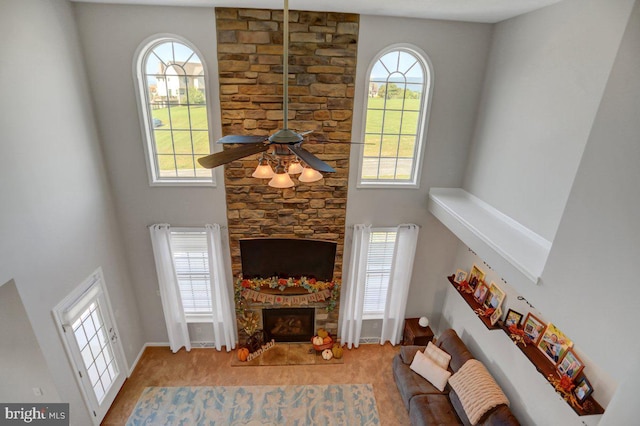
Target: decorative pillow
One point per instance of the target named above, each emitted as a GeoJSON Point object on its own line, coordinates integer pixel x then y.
{"type": "Point", "coordinates": [437, 355]}
{"type": "Point", "coordinates": [424, 366]}
{"type": "Point", "coordinates": [477, 390]}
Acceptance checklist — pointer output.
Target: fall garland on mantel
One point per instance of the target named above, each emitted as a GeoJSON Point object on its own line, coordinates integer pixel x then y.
{"type": "Point", "coordinates": [318, 291]}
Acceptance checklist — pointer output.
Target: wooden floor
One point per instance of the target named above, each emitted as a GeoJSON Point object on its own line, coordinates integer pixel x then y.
{"type": "Point", "coordinates": [208, 367]}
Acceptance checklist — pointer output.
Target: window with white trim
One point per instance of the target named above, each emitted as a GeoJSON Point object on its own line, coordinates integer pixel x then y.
{"type": "Point", "coordinates": [382, 244]}
{"type": "Point", "coordinates": [398, 93]}
{"type": "Point", "coordinates": [173, 103]}
{"type": "Point", "coordinates": [191, 259]}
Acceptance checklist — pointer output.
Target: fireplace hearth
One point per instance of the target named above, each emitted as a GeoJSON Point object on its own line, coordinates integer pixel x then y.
{"type": "Point", "coordinates": [289, 324]}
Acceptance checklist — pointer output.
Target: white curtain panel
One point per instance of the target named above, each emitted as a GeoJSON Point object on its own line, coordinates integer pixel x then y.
{"type": "Point", "coordinates": [169, 290]}
{"type": "Point", "coordinates": [399, 281]}
{"type": "Point", "coordinates": [351, 306]}
{"type": "Point", "coordinates": [224, 316]}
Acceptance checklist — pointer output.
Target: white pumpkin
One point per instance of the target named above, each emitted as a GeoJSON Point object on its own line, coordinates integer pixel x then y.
{"type": "Point", "coordinates": [318, 341]}
{"type": "Point", "coordinates": [327, 354]}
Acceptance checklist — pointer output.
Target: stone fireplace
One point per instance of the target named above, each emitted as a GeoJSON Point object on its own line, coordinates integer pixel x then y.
{"type": "Point", "coordinates": [322, 65]}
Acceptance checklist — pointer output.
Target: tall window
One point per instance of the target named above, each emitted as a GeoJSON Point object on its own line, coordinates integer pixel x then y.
{"type": "Point", "coordinates": [191, 259]}
{"type": "Point", "coordinates": [397, 99]}
{"type": "Point", "coordinates": [173, 97]}
{"type": "Point", "coordinates": [382, 244]}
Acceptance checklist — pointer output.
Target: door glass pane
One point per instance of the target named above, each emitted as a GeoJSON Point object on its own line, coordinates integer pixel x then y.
{"type": "Point", "coordinates": [97, 354]}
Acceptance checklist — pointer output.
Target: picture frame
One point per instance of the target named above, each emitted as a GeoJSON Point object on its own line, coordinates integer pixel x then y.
{"type": "Point", "coordinates": [583, 389]}
{"type": "Point", "coordinates": [554, 344]}
{"type": "Point", "coordinates": [570, 365]}
{"type": "Point", "coordinates": [533, 328]}
{"type": "Point", "coordinates": [496, 315]}
{"type": "Point", "coordinates": [513, 318]}
{"type": "Point", "coordinates": [460, 276]}
{"type": "Point", "coordinates": [482, 290]}
{"type": "Point", "coordinates": [494, 298]}
{"type": "Point", "coordinates": [476, 273]}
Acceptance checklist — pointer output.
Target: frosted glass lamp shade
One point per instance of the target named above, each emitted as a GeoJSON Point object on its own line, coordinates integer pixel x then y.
{"type": "Point", "coordinates": [423, 321]}
{"type": "Point", "coordinates": [281, 179]}
{"type": "Point", "coordinates": [263, 171]}
{"type": "Point", "coordinates": [310, 175]}
{"type": "Point", "coordinates": [295, 168]}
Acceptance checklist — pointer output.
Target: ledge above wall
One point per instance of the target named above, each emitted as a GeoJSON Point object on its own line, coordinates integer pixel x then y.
{"type": "Point", "coordinates": [513, 250]}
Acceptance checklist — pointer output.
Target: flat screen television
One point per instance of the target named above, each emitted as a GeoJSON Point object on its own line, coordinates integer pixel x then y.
{"type": "Point", "coordinates": [286, 258]}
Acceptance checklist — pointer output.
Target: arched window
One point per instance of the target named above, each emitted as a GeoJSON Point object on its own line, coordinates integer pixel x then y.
{"type": "Point", "coordinates": [398, 93]}
{"type": "Point", "coordinates": [173, 99]}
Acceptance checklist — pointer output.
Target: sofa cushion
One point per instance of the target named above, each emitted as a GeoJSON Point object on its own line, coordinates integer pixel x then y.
{"type": "Point", "coordinates": [432, 410]}
{"type": "Point", "coordinates": [407, 353]}
{"type": "Point", "coordinates": [411, 383]}
{"type": "Point", "coordinates": [430, 370]}
{"type": "Point", "coordinates": [454, 346]}
{"type": "Point", "coordinates": [439, 356]}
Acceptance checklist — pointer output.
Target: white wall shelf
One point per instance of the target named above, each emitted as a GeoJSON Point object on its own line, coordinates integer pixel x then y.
{"type": "Point", "coordinates": [512, 250]}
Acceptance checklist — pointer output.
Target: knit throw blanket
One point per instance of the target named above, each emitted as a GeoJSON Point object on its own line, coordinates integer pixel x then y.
{"type": "Point", "coordinates": [477, 390]}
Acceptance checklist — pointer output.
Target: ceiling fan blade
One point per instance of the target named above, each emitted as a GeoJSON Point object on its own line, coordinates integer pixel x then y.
{"type": "Point", "coordinates": [341, 142]}
{"type": "Point", "coordinates": [311, 160]}
{"type": "Point", "coordinates": [231, 154]}
{"type": "Point", "coordinates": [242, 139]}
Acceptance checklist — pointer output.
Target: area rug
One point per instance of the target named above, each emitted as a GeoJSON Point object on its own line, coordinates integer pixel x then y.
{"type": "Point", "coordinates": [257, 405]}
{"type": "Point", "coordinates": [287, 354]}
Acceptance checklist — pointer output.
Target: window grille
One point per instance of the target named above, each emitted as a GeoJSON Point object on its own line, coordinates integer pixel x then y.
{"type": "Point", "coordinates": [172, 80]}
{"type": "Point", "coordinates": [396, 110]}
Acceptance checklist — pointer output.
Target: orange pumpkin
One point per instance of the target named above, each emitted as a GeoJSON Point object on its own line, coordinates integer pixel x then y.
{"type": "Point", "coordinates": [326, 340]}
{"type": "Point", "coordinates": [243, 353]}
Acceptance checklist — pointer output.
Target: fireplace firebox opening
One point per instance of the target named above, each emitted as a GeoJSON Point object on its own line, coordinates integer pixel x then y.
{"type": "Point", "coordinates": [289, 324]}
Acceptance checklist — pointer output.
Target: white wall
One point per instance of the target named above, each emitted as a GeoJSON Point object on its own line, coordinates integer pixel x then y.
{"type": "Point", "coordinates": [57, 221]}
{"type": "Point", "coordinates": [458, 52]}
{"type": "Point", "coordinates": [22, 364]}
{"type": "Point", "coordinates": [585, 288]}
{"type": "Point", "coordinates": [595, 256]}
{"type": "Point", "coordinates": [110, 35]}
{"type": "Point", "coordinates": [545, 78]}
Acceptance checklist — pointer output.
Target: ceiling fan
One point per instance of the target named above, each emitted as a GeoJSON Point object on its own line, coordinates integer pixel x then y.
{"type": "Point", "coordinates": [287, 150]}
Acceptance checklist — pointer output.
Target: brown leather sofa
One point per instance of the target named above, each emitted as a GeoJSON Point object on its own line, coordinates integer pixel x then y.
{"type": "Point", "coordinates": [426, 404]}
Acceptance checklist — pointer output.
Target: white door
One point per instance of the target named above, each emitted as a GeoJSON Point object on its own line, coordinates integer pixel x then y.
{"type": "Point", "coordinates": [85, 321]}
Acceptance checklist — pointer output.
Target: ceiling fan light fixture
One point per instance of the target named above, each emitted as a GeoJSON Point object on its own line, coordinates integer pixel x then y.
{"type": "Point", "coordinates": [295, 168]}
{"type": "Point", "coordinates": [264, 170]}
{"type": "Point", "coordinates": [281, 178]}
{"type": "Point", "coordinates": [310, 175]}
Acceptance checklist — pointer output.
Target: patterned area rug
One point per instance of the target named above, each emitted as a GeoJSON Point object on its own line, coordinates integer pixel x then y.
{"type": "Point", "coordinates": [257, 405]}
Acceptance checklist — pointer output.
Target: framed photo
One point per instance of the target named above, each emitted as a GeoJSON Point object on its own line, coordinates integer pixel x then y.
{"type": "Point", "coordinates": [512, 318]}
{"type": "Point", "coordinates": [583, 389]}
{"type": "Point", "coordinates": [554, 344]}
{"type": "Point", "coordinates": [476, 273]}
{"type": "Point", "coordinates": [496, 315]}
{"type": "Point", "coordinates": [481, 293]}
{"type": "Point", "coordinates": [494, 298]}
{"type": "Point", "coordinates": [460, 276]}
{"type": "Point", "coordinates": [570, 365]}
{"type": "Point", "coordinates": [533, 327]}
